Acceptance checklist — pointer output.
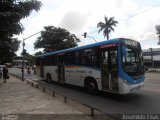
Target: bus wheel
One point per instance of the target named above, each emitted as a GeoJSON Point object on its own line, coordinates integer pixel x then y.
{"type": "Point", "coordinates": [48, 77]}
{"type": "Point", "coordinates": [91, 86]}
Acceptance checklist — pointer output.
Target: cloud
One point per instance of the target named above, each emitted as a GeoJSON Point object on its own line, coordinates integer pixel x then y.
{"type": "Point", "coordinates": [139, 25]}
{"type": "Point", "coordinates": [74, 21]}
{"type": "Point", "coordinates": [151, 43]}
{"type": "Point", "coordinates": [79, 16]}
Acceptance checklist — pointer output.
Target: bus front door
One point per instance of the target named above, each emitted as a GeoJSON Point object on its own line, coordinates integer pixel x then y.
{"type": "Point", "coordinates": [110, 70]}
{"type": "Point", "coordinates": [60, 69]}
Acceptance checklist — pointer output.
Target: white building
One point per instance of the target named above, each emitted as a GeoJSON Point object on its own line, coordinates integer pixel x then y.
{"type": "Point", "coordinates": [151, 57]}
{"type": "Point", "coordinates": [18, 63]}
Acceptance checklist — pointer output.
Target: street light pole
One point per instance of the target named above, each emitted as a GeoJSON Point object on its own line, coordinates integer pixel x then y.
{"type": "Point", "coordinates": [151, 52]}
{"type": "Point", "coordinates": [92, 38]}
{"type": "Point", "coordinates": [23, 44]}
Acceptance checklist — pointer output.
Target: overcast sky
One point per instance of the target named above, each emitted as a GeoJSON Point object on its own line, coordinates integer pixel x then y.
{"type": "Point", "coordinates": [137, 20]}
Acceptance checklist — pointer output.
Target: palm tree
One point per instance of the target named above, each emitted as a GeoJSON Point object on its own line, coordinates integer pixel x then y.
{"type": "Point", "coordinates": [107, 27]}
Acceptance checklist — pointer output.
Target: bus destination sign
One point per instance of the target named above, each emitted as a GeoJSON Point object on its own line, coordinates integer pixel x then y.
{"type": "Point", "coordinates": [130, 42]}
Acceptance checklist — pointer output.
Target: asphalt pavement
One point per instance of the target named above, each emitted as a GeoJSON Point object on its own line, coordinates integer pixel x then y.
{"type": "Point", "coordinates": [144, 101]}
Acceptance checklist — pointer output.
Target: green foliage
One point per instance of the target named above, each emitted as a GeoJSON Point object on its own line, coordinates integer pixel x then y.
{"type": "Point", "coordinates": [28, 57]}
{"type": "Point", "coordinates": [24, 52]}
{"type": "Point", "coordinates": [107, 26]}
{"type": "Point", "coordinates": [53, 39]}
{"type": "Point", "coordinates": [11, 12]}
{"type": "Point", "coordinates": [8, 48]}
{"type": "Point", "coordinates": [158, 32]}
{"type": "Point", "coordinates": [38, 53]}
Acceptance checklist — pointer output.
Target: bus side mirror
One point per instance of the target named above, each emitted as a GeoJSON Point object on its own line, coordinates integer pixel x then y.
{"type": "Point", "coordinates": [123, 50]}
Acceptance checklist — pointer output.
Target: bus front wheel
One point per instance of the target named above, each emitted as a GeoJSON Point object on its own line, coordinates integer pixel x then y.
{"type": "Point", "coordinates": [91, 86]}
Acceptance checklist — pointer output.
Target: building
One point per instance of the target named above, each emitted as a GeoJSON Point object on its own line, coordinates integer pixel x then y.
{"type": "Point", "coordinates": [151, 57]}
{"type": "Point", "coordinates": [17, 62]}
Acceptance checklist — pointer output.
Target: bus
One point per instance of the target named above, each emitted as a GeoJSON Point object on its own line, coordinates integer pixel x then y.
{"type": "Point", "coordinates": [114, 65]}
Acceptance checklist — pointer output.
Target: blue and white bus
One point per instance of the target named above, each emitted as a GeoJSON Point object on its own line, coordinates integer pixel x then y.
{"type": "Point", "coordinates": [113, 66]}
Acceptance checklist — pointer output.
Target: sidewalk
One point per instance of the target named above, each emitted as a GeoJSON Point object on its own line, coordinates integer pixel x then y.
{"type": "Point", "coordinates": [19, 98]}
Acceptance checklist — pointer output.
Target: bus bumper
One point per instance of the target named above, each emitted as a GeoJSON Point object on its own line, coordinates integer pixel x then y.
{"type": "Point", "coordinates": [125, 88]}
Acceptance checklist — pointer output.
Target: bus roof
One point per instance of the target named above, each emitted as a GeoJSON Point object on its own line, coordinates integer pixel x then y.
{"type": "Point", "coordinates": [81, 47]}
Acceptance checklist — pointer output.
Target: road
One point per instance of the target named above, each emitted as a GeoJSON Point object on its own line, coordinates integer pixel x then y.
{"type": "Point", "coordinates": [143, 101]}
{"type": "Point", "coordinates": [17, 71]}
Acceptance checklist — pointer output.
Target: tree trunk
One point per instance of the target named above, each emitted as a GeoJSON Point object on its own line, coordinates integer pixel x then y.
{"type": "Point", "coordinates": [107, 36]}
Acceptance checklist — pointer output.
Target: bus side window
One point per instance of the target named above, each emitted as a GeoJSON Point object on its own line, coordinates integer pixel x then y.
{"type": "Point", "coordinates": [89, 57]}
{"type": "Point", "coordinates": [80, 59]}
{"type": "Point", "coordinates": [71, 58]}
{"type": "Point", "coordinates": [49, 61]}
{"type": "Point", "coordinates": [85, 57]}
{"type": "Point", "coordinates": [95, 57]}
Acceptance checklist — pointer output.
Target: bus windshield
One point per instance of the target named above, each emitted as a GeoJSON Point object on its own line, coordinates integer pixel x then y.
{"type": "Point", "coordinates": [132, 60]}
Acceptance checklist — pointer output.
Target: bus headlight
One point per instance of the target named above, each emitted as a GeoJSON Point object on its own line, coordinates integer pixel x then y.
{"type": "Point", "coordinates": [125, 81]}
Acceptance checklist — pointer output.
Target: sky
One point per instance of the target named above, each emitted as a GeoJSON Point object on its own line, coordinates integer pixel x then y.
{"type": "Point", "coordinates": [136, 20]}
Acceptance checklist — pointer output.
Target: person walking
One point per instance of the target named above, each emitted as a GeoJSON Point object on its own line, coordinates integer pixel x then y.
{"type": "Point", "coordinates": [5, 74]}
{"type": "Point", "coordinates": [28, 69]}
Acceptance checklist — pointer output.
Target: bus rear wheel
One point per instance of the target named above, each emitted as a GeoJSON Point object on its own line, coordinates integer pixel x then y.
{"type": "Point", "coordinates": [48, 78]}
{"type": "Point", "coordinates": [91, 86]}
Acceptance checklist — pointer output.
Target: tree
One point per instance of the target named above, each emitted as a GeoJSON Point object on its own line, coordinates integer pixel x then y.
{"type": "Point", "coordinates": [107, 26]}
{"type": "Point", "coordinates": [29, 57]}
{"type": "Point", "coordinates": [53, 39]}
{"type": "Point", "coordinates": [11, 12]}
{"type": "Point", "coordinates": [158, 32]}
{"type": "Point", "coordinates": [38, 53]}
{"type": "Point", "coordinates": [7, 49]}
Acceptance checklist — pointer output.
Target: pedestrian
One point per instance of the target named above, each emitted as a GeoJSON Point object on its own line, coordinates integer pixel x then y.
{"type": "Point", "coordinates": [34, 68]}
{"type": "Point", "coordinates": [28, 69]}
{"type": "Point", "coordinates": [5, 74]}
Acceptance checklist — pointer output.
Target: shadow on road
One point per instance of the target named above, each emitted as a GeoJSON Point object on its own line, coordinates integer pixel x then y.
{"type": "Point", "coordinates": [108, 95]}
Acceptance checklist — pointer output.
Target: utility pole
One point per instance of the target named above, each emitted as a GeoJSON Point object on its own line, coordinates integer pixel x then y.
{"type": "Point", "coordinates": [23, 44]}
{"type": "Point", "coordinates": [152, 63]}
{"type": "Point", "coordinates": [23, 53]}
